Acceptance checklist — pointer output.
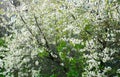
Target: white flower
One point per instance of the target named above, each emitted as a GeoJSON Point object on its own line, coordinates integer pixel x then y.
{"type": "Point", "coordinates": [36, 62]}
{"type": "Point", "coordinates": [62, 64]}
{"type": "Point", "coordinates": [118, 71]}
{"type": "Point", "coordinates": [106, 69]}
{"type": "Point", "coordinates": [92, 73]}
{"type": "Point", "coordinates": [1, 63]}
{"type": "Point", "coordinates": [53, 55]}
{"type": "Point", "coordinates": [26, 60]}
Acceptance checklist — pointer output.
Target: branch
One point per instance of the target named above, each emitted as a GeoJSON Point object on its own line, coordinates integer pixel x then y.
{"type": "Point", "coordinates": [46, 42]}
{"type": "Point", "coordinates": [55, 59]}
{"type": "Point", "coordinates": [26, 26]}
{"type": "Point", "coordinates": [88, 32]}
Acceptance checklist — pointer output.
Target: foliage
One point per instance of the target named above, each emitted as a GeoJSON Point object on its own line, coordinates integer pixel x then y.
{"type": "Point", "coordinates": [54, 38]}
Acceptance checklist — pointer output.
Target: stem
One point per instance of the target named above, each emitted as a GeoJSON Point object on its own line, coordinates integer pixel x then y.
{"type": "Point", "coordinates": [47, 45]}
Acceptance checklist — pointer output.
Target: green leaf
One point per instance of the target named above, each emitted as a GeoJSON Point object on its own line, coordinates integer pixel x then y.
{"type": "Point", "coordinates": [1, 11]}
{"type": "Point", "coordinates": [2, 42]}
{"type": "Point", "coordinates": [88, 27]}
{"type": "Point", "coordinates": [53, 75]}
{"type": "Point", "coordinates": [118, 1]}
{"type": "Point", "coordinates": [61, 46]}
{"type": "Point", "coordinates": [42, 53]}
{"type": "Point", "coordinates": [79, 46]}
{"type": "Point", "coordinates": [60, 11]}
{"type": "Point", "coordinates": [72, 73]}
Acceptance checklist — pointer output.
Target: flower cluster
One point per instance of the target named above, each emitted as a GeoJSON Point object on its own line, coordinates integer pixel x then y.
{"type": "Point", "coordinates": [69, 38]}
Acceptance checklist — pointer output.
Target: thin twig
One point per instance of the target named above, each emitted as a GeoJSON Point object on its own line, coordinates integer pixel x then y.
{"type": "Point", "coordinates": [26, 26]}
{"type": "Point", "coordinates": [47, 45]}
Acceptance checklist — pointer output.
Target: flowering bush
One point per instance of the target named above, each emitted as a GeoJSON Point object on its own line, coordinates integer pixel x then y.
{"type": "Point", "coordinates": [51, 38]}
